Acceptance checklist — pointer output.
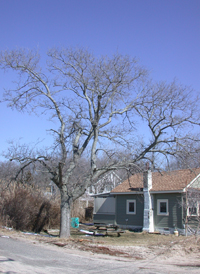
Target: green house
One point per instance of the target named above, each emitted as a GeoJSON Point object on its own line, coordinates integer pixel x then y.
{"type": "Point", "coordinates": [153, 202]}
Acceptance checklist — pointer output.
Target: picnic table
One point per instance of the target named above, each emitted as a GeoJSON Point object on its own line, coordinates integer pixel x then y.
{"type": "Point", "coordinates": [107, 229]}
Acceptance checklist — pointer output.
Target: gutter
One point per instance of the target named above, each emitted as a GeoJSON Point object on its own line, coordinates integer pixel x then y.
{"type": "Point", "coordinates": [106, 194]}
{"type": "Point", "coordinates": [167, 191]}
{"type": "Point", "coordinates": [126, 193]}
{"type": "Point", "coordinates": [151, 192]}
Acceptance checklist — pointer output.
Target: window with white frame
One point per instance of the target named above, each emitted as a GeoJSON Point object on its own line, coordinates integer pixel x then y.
{"type": "Point", "coordinates": [131, 207]}
{"type": "Point", "coordinates": [192, 211]}
{"type": "Point", "coordinates": [162, 207]}
{"type": "Point", "coordinates": [193, 208]}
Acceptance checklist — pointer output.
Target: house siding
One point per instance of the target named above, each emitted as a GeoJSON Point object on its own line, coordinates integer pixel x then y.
{"type": "Point", "coordinates": [174, 218]}
{"type": "Point", "coordinates": [129, 220]}
{"type": "Point", "coordinates": [104, 205]}
{"type": "Point", "coordinates": [104, 210]}
{"type": "Point", "coordinates": [103, 218]}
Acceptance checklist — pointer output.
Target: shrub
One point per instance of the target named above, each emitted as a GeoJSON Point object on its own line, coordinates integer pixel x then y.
{"type": "Point", "coordinates": [25, 208]}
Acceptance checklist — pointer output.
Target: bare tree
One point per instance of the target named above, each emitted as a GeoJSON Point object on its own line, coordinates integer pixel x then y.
{"type": "Point", "coordinates": [188, 156]}
{"type": "Point", "coordinates": [8, 171]}
{"type": "Point", "coordinates": [191, 205]}
{"type": "Point", "coordinates": [101, 105]}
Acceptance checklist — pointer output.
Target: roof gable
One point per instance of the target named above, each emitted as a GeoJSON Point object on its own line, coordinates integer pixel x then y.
{"type": "Point", "coordinates": [165, 181]}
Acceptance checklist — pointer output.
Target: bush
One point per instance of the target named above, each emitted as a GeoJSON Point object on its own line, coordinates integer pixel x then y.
{"type": "Point", "coordinates": [25, 208]}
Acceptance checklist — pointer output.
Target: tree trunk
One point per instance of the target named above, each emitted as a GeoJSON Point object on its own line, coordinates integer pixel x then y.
{"type": "Point", "coordinates": [65, 213]}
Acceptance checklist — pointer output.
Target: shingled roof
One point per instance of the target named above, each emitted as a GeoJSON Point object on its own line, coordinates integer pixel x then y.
{"type": "Point", "coordinates": [165, 181]}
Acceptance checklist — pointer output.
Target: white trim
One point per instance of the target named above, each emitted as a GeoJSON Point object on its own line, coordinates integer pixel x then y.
{"type": "Point", "coordinates": [192, 182]}
{"type": "Point", "coordinates": [127, 207]}
{"type": "Point", "coordinates": [158, 207]}
{"type": "Point", "coordinates": [107, 175]}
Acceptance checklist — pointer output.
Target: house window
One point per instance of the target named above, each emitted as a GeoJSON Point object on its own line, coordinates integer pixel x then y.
{"type": "Point", "coordinates": [193, 209]}
{"type": "Point", "coordinates": [131, 207]}
{"type": "Point", "coordinates": [162, 207]}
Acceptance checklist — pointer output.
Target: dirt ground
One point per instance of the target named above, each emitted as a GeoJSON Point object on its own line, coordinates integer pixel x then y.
{"type": "Point", "coordinates": [171, 250]}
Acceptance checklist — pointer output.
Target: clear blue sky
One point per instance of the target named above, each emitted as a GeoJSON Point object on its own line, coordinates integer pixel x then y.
{"type": "Point", "coordinates": [163, 34]}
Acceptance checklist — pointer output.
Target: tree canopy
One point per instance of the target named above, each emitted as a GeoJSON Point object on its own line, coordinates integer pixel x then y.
{"type": "Point", "coordinates": [104, 107]}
